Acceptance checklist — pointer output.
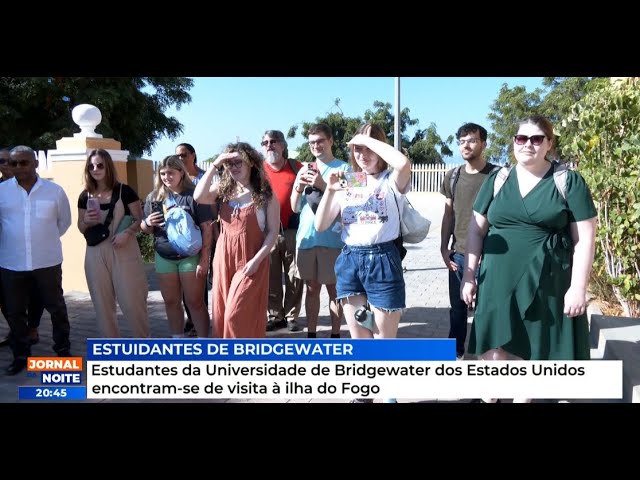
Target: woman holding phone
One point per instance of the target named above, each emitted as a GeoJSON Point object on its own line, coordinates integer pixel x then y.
{"type": "Point", "coordinates": [370, 283]}
{"type": "Point", "coordinates": [114, 268]}
{"type": "Point", "coordinates": [178, 273]}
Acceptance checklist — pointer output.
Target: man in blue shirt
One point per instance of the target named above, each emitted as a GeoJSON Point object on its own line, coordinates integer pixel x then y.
{"type": "Point", "coordinates": [316, 252]}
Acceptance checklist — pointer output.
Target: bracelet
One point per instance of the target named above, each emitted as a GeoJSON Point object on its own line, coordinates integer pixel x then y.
{"type": "Point", "coordinates": [299, 191]}
{"type": "Point", "coordinates": [144, 220]}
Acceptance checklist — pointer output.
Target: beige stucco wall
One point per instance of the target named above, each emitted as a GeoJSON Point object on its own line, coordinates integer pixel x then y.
{"type": "Point", "coordinates": [66, 168]}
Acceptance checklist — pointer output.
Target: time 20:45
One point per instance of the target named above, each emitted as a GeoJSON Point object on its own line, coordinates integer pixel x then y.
{"type": "Point", "coordinates": [48, 392]}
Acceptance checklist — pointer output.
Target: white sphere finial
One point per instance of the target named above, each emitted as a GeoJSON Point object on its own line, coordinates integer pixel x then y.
{"type": "Point", "coordinates": [87, 117]}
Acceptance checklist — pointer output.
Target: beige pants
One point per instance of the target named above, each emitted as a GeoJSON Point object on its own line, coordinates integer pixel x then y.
{"type": "Point", "coordinates": [283, 258]}
{"type": "Point", "coordinates": [118, 274]}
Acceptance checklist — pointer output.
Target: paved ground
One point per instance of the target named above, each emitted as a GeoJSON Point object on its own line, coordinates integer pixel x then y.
{"type": "Point", "coordinates": [426, 316]}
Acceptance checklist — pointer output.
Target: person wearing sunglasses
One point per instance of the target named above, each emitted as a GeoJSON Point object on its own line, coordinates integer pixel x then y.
{"type": "Point", "coordinates": [35, 308]}
{"type": "Point", "coordinates": [537, 251]}
{"type": "Point", "coordinates": [187, 154]}
{"type": "Point", "coordinates": [281, 172]}
{"type": "Point", "coordinates": [34, 214]}
{"type": "Point", "coordinates": [250, 222]}
{"type": "Point", "coordinates": [114, 268]}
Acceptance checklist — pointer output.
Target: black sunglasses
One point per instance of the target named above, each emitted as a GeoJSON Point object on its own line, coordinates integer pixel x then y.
{"type": "Point", "coordinates": [21, 163]}
{"type": "Point", "coordinates": [536, 140]}
{"type": "Point", "coordinates": [96, 166]}
{"type": "Point", "coordinates": [264, 143]}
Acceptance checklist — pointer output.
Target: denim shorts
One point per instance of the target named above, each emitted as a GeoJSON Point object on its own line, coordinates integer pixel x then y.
{"type": "Point", "coordinates": [374, 271]}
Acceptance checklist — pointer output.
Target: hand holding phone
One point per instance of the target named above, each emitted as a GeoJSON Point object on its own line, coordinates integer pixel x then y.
{"type": "Point", "coordinates": [353, 179]}
{"type": "Point", "coordinates": [92, 212]}
{"type": "Point", "coordinates": [93, 204]}
{"type": "Point", "coordinates": [156, 206]}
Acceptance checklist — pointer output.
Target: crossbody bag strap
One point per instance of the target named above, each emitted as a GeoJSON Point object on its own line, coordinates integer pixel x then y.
{"type": "Point", "coordinates": [399, 214]}
{"type": "Point", "coordinates": [112, 206]}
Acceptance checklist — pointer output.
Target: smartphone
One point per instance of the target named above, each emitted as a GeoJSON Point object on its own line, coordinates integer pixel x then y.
{"type": "Point", "coordinates": [93, 204]}
{"type": "Point", "coordinates": [353, 179]}
{"type": "Point", "coordinates": [156, 206]}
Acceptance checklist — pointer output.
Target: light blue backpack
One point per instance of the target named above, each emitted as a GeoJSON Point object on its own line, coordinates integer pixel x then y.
{"type": "Point", "coordinates": [182, 232]}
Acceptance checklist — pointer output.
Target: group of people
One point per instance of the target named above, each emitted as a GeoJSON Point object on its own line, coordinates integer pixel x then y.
{"type": "Point", "coordinates": [519, 251]}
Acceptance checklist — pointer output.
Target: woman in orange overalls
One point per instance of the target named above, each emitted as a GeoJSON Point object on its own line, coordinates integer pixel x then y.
{"type": "Point", "coordinates": [249, 216]}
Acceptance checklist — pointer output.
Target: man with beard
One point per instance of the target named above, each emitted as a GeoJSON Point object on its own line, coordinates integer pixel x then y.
{"type": "Point", "coordinates": [281, 172]}
{"type": "Point", "coordinates": [460, 187]}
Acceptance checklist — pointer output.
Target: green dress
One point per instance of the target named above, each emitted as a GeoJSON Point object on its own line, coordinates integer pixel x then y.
{"type": "Point", "coordinates": [526, 270]}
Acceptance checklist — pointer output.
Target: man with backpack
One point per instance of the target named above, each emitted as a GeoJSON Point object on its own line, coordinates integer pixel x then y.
{"type": "Point", "coordinates": [281, 171]}
{"type": "Point", "coordinates": [460, 187]}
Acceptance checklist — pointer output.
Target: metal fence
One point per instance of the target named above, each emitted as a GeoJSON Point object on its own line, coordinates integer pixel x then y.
{"type": "Point", "coordinates": [428, 178]}
{"type": "Point", "coordinates": [424, 178]}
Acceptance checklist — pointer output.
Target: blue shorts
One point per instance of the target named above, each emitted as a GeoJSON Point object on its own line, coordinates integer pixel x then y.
{"type": "Point", "coordinates": [374, 271]}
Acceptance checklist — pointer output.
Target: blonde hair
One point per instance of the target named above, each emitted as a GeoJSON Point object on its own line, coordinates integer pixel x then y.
{"type": "Point", "coordinates": [160, 192]}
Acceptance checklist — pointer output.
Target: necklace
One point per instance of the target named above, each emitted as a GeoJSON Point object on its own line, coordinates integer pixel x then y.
{"type": "Point", "coordinates": [104, 194]}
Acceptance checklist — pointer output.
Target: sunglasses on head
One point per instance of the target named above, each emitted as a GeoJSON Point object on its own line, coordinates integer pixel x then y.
{"type": "Point", "coordinates": [536, 140]}
{"type": "Point", "coordinates": [21, 163]}
{"type": "Point", "coordinates": [96, 166]}
{"type": "Point", "coordinates": [264, 143]}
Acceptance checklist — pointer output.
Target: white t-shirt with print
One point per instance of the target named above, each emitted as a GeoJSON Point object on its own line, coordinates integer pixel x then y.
{"type": "Point", "coordinates": [370, 214]}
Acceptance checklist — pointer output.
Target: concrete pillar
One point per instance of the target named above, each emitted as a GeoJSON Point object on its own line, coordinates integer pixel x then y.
{"type": "Point", "coordinates": [66, 168]}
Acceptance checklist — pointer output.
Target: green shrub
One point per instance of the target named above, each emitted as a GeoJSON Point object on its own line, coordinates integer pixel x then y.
{"type": "Point", "coordinates": [145, 242]}
{"type": "Point", "coordinates": [606, 146]}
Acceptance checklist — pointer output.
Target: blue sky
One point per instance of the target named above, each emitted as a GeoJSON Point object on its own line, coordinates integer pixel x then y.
{"type": "Point", "coordinates": [225, 108]}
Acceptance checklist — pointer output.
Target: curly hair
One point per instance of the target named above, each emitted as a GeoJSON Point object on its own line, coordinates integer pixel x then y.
{"type": "Point", "coordinates": [262, 191]}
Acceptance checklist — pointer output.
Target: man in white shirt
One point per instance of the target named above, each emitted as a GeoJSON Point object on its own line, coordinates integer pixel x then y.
{"type": "Point", "coordinates": [34, 214]}
{"type": "Point", "coordinates": [35, 308]}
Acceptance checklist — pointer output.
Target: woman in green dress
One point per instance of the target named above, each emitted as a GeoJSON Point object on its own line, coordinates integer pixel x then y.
{"type": "Point", "coordinates": [537, 250]}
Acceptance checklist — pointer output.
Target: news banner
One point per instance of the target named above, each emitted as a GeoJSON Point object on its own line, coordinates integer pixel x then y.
{"type": "Point", "coordinates": [283, 369]}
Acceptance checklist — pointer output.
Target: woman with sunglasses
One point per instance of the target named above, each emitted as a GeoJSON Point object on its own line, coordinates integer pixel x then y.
{"type": "Point", "coordinates": [537, 250]}
{"type": "Point", "coordinates": [249, 214]}
{"type": "Point", "coordinates": [114, 268]}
